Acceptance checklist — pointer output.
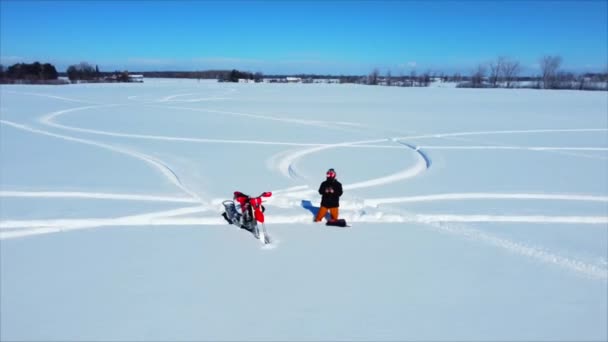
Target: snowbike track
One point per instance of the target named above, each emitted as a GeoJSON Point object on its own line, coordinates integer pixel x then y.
{"type": "Point", "coordinates": [160, 166]}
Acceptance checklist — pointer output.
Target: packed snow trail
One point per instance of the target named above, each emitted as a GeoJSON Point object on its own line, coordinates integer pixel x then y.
{"type": "Point", "coordinates": [157, 164]}
{"type": "Point", "coordinates": [96, 195]}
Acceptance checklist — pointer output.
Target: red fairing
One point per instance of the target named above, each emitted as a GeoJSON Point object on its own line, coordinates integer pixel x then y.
{"type": "Point", "coordinates": [256, 203]}
{"type": "Point", "coordinates": [240, 197]}
{"type": "Point", "coordinates": [259, 215]}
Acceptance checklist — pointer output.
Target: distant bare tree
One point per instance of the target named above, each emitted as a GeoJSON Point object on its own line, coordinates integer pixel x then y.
{"type": "Point", "coordinates": [457, 77]}
{"type": "Point", "coordinates": [549, 66]}
{"type": "Point", "coordinates": [425, 79]}
{"type": "Point", "coordinates": [565, 80]}
{"type": "Point", "coordinates": [495, 71]}
{"type": "Point", "coordinates": [258, 76]}
{"type": "Point", "coordinates": [412, 78]}
{"type": "Point", "coordinates": [401, 79]}
{"type": "Point", "coordinates": [478, 76]}
{"type": "Point", "coordinates": [82, 71]}
{"type": "Point", "coordinates": [580, 80]}
{"type": "Point", "coordinates": [510, 70]}
{"type": "Point", "coordinates": [388, 78]}
{"type": "Point", "coordinates": [373, 77]}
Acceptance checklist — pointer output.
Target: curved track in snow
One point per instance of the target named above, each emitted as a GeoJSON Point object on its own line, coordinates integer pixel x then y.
{"type": "Point", "coordinates": [160, 166]}
{"type": "Point", "coordinates": [96, 195]}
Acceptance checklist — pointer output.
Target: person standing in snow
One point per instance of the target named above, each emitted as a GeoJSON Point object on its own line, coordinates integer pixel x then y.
{"type": "Point", "coordinates": [330, 190]}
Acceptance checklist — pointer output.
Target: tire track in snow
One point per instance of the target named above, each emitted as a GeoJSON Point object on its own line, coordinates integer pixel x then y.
{"type": "Point", "coordinates": [18, 229]}
{"type": "Point", "coordinates": [49, 121]}
{"type": "Point", "coordinates": [164, 169]}
{"type": "Point", "coordinates": [481, 195]}
{"type": "Point", "coordinates": [317, 123]}
{"type": "Point", "coordinates": [286, 164]}
{"type": "Point", "coordinates": [51, 96]}
{"type": "Point", "coordinates": [543, 256]}
{"type": "Point", "coordinates": [417, 149]}
{"type": "Point", "coordinates": [96, 195]}
{"type": "Point", "coordinates": [442, 224]}
{"type": "Point", "coordinates": [10, 228]}
{"type": "Point", "coordinates": [381, 217]}
{"type": "Point", "coordinates": [531, 148]}
{"type": "Point", "coordinates": [172, 98]}
{"type": "Point", "coordinates": [77, 223]}
{"type": "Point", "coordinates": [460, 134]}
{"type": "Point", "coordinates": [563, 151]}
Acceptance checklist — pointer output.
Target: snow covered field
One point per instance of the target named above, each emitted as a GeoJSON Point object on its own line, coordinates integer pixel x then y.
{"type": "Point", "coordinates": [478, 214]}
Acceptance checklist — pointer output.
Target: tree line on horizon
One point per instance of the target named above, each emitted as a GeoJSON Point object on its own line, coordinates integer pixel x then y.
{"type": "Point", "coordinates": [500, 73]}
{"type": "Point", "coordinates": [504, 73]}
{"type": "Point", "coordinates": [37, 73]}
{"type": "Point", "coordinates": [29, 73]}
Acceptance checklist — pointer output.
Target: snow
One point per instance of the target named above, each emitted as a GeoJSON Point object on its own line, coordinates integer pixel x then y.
{"type": "Point", "coordinates": [478, 214]}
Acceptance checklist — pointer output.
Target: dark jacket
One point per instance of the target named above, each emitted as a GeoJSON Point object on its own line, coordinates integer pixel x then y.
{"type": "Point", "coordinates": [331, 190]}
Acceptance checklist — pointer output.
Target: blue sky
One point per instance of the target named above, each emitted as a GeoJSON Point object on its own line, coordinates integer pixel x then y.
{"type": "Point", "coordinates": [329, 37]}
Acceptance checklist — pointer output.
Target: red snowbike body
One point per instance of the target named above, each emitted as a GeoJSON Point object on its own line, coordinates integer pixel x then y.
{"type": "Point", "coordinates": [253, 203]}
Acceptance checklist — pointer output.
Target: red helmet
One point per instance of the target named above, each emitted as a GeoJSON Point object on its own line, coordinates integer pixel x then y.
{"type": "Point", "coordinates": [331, 173]}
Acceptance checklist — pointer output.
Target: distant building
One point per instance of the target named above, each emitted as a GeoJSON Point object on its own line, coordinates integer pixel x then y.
{"type": "Point", "coordinates": [294, 80]}
{"type": "Point", "coordinates": [274, 80]}
{"type": "Point", "coordinates": [326, 80]}
{"type": "Point", "coordinates": [136, 78]}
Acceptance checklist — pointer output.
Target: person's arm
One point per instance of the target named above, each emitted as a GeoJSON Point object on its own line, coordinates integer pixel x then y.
{"type": "Point", "coordinates": [338, 189]}
{"type": "Point", "coordinates": [322, 189]}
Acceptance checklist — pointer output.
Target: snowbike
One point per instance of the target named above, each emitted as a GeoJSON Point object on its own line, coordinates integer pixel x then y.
{"type": "Point", "coordinates": [251, 215]}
